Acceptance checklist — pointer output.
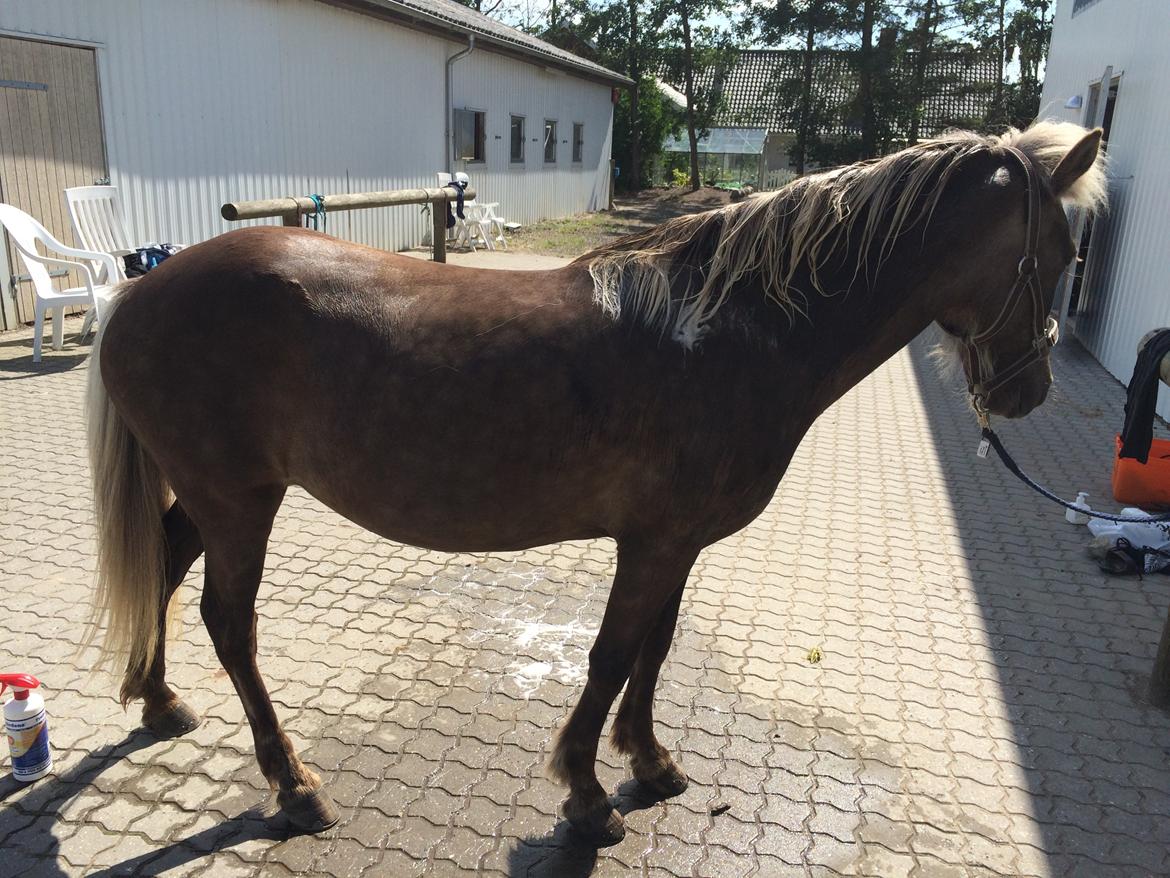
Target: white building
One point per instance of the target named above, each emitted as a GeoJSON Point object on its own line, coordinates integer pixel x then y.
{"type": "Point", "coordinates": [187, 104]}
{"type": "Point", "coordinates": [1109, 64]}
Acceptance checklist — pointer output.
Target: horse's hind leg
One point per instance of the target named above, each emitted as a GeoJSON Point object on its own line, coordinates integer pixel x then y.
{"type": "Point", "coordinates": [163, 712]}
{"type": "Point", "coordinates": [633, 729]}
{"type": "Point", "coordinates": [234, 566]}
{"type": "Point", "coordinates": [646, 579]}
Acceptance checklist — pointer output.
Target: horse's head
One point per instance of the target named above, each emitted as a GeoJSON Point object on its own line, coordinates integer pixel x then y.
{"type": "Point", "coordinates": [1004, 334]}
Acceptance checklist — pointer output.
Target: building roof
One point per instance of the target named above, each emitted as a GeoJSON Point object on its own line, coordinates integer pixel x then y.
{"type": "Point", "coordinates": [451, 18]}
{"type": "Point", "coordinates": [761, 87]}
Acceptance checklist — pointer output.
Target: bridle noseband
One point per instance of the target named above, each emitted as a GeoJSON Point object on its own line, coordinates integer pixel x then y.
{"type": "Point", "coordinates": [1045, 328]}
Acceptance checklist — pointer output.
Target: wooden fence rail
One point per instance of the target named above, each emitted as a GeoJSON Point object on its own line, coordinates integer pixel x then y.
{"type": "Point", "coordinates": [290, 209]}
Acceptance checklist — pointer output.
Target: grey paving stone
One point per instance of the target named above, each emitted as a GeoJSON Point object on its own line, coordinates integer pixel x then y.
{"type": "Point", "coordinates": [972, 713]}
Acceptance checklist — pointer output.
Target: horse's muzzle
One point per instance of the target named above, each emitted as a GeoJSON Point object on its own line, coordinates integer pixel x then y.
{"type": "Point", "coordinates": [1020, 397]}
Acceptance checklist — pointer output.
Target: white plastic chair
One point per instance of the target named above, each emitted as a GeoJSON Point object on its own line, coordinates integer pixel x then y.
{"type": "Point", "coordinates": [495, 224]}
{"type": "Point", "coordinates": [25, 233]}
{"type": "Point", "coordinates": [96, 212]}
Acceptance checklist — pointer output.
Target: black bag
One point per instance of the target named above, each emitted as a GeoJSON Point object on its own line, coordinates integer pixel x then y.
{"type": "Point", "coordinates": [145, 258]}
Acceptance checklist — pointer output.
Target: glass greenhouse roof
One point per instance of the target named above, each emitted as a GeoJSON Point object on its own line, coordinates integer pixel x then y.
{"type": "Point", "coordinates": [735, 141]}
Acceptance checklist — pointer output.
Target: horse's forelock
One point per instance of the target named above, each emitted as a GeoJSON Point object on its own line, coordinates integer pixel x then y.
{"type": "Point", "coordinates": [1047, 142]}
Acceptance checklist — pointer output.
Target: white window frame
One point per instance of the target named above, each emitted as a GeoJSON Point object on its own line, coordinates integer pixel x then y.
{"type": "Point", "coordinates": [554, 123]}
{"type": "Point", "coordinates": [578, 158]}
{"type": "Point", "coordinates": [512, 160]}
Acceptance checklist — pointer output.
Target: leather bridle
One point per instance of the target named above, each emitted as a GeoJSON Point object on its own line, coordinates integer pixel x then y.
{"type": "Point", "coordinates": [981, 383]}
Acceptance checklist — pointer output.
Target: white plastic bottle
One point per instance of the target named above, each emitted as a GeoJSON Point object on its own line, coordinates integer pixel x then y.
{"type": "Point", "coordinates": [1073, 516]}
{"type": "Point", "coordinates": [28, 729]}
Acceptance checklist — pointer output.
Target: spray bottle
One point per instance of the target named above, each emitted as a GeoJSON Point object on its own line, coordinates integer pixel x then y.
{"type": "Point", "coordinates": [28, 730]}
{"type": "Point", "coordinates": [1078, 516]}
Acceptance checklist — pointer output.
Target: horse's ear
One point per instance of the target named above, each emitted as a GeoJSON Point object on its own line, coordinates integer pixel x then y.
{"type": "Point", "coordinates": [1076, 163]}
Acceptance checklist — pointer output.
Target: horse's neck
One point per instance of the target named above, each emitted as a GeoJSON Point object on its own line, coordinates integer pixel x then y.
{"type": "Point", "coordinates": [843, 338]}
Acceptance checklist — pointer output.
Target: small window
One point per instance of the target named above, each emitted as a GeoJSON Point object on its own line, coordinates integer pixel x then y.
{"type": "Point", "coordinates": [518, 139]}
{"type": "Point", "coordinates": [470, 135]}
{"type": "Point", "coordinates": [550, 142]}
{"type": "Point", "coordinates": [578, 142]}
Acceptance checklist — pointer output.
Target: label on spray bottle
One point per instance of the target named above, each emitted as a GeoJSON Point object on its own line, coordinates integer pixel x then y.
{"type": "Point", "coordinates": [28, 739]}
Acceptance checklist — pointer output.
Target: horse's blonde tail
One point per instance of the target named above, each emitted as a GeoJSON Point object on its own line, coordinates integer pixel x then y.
{"type": "Point", "coordinates": [129, 494]}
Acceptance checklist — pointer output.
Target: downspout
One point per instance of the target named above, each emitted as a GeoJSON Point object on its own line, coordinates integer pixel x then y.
{"type": "Point", "coordinates": [448, 146]}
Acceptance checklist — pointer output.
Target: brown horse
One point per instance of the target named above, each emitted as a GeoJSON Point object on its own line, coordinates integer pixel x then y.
{"type": "Point", "coordinates": [653, 391]}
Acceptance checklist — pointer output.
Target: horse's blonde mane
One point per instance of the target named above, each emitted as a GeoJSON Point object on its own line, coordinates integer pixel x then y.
{"type": "Point", "coordinates": [810, 223]}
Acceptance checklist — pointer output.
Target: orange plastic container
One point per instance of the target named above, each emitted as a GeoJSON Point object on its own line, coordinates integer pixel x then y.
{"type": "Point", "coordinates": [1143, 484]}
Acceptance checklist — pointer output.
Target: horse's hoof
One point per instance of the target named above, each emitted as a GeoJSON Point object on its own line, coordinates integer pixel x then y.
{"type": "Point", "coordinates": [312, 812]}
{"type": "Point", "coordinates": [668, 781]}
{"type": "Point", "coordinates": [601, 828]}
{"type": "Point", "coordinates": [175, 720]}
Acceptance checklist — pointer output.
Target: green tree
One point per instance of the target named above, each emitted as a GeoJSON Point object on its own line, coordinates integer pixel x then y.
{"type": "Point", "coordinates": [657, 118]}
{"type": "Point", "coordinates": [1028, 34]}
{"type": "Point", "coordinates": [692, 47]}
{"type": "Point", "coordinates": [816, 23]}
{"type": "Point", "coordinates": [985, 23]}
{"type": "Point", "coordinates": [616, 32]}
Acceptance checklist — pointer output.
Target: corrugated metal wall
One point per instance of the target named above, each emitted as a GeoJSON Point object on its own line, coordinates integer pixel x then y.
{"type": "Point", "coordinates": [220, 100]}
{"type": "Point", "coordinates": [1127, 288]}
{"type": "Point", "coordinates": [533, 190]}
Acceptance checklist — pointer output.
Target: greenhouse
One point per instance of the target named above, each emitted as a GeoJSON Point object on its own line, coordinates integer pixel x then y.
{"type": "Point", "coordinates": [730, 157]}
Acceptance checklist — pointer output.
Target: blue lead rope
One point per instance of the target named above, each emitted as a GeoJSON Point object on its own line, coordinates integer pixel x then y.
{"type": "Point", "coordinates": [318, 215]}
{"type": "Point", "coordinates": [991, 439]}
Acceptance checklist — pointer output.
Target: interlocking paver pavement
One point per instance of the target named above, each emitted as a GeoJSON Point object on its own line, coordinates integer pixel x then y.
{"type": "Point", "coordinates": [976, 710]}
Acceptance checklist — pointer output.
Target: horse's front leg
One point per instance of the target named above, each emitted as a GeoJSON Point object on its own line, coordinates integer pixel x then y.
{"type": "Point", "coordinates": [646, 580]}
{"type": "Point", "coordinates": [633, 729]}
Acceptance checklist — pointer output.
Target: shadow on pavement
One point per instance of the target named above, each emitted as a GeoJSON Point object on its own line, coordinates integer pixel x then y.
{"type": "Point", "coordinates": [1072, 646]}
{"type": "Point", "coordinates": [562, 853]}
{"type": "Point", "coordinates": [31, 819]}
{"type": "Point", "coordinates": [50, 365]}
{"type": "Point", "coordinates": [71, 355]}
{"type": "Point", "coordinates": [250, 825]}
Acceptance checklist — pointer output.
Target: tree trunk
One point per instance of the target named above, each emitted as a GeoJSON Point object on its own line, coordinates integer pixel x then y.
{"type": "Point", "coordinates": [1001, 50]}
{"type": "Point", "coordinates": [634, 171]}
{"type": "Point", "coordinates": [689, 83]}
{"type": "Point", "coordinates": [804, 123]}
{"type": "Point", "coordinates": [923, 40]}
{"type": "Point", "coordinates": [865, 85]}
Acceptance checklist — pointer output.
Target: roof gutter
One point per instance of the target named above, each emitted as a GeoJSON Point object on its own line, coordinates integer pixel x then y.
{"type": "Point", "coordinates": [448, 146]}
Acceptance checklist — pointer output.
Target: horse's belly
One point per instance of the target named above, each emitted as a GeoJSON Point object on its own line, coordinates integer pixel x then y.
{"type": "Point", "coordinates": [440, 479]}
{"type": "Point", "coordinates": [447, 512]}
